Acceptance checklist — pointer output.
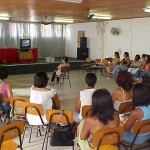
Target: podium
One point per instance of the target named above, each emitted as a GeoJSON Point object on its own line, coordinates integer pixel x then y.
{"type": "Point", "coordinates": [50, 59]}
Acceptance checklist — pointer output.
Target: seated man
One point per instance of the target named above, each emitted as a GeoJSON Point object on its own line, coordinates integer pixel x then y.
{"type": "Point", "coordinates": [85, 96]}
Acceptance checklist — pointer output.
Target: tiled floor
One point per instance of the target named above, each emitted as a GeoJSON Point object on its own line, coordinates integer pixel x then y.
{"type": "Point", "coordinates": [21, 86]}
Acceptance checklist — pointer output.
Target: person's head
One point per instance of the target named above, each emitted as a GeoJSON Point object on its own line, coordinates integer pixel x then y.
{"type": "Point", "coordinates": [64, 59]}
{"type": "Point", "coordinates": [124, 80]}
{"type": "Point", "coordinates": [126, 54]}
{"type": "Point", "coordinates": [90, 79]}
{"type": "Point", "coordinates": [137, 57]}
{"type": "Point", "coordinates": [140, 95]}
{"type": "Point", "coordinates": [102, 105]}
{"type": "Point", "coordinates": [143, 56]}
{"type": "Point", "coordinates": [147, 58]}
{"type": "Point", "coordinates": [3, 72]}
{"type": "Point", "coordinates": [40, 80]}
{"type": "Point", "coordinates": [116, 54]}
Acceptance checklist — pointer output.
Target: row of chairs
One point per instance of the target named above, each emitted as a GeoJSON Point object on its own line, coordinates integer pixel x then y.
{"type": "Point", "coordinates": [108, 137]}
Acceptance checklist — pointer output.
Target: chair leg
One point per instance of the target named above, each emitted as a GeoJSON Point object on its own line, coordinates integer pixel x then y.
{"type": "Point", "coordinates": [44, 138]}
{"type": "Point", "coordinates": [24, 133]}
{"type": "Point", "coordinates": [69, 83]}
{"type": "Point", "coordinates": [30, 135]}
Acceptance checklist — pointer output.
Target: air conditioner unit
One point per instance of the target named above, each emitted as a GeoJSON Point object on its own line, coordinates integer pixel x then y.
{"type": "Point", "coordinates": [71, 1]}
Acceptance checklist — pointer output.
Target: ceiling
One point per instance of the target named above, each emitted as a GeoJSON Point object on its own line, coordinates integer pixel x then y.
{"type": "Point", "coordinates": [36, 10]}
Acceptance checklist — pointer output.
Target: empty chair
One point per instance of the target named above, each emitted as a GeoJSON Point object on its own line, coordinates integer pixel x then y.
{"type": "Point", "coordinates": [9, 132]}
{"type": "Point", "coordinates": [16, 104]}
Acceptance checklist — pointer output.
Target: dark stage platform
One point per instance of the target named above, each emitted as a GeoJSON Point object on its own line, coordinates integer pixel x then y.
{"type": "Point", "coordinates": [41, 65]}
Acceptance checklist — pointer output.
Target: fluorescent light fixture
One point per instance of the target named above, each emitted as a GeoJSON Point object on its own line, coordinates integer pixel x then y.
{"type": "Point", "coordinates": [63, 20]}
{"type": "Point", "coordinates": [102, 17]}
{"type": "Point", "coordinates": [71, 1]}
{"type": "Point", "coordinates": [4, 18]}
{"type": "Point", "coordinates": [146, 10]}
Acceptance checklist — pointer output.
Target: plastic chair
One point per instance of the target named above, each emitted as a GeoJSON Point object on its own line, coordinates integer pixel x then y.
{"type": "Point", "coordinates": [9, 132]}
{"type": "Point", "coordinates": [52, 116]}
{"type": "Point", "coordinates": [86, 110]}
{"type": "Point", "coordinates": [16, 103]}
{"type": "Point", "coordinates": [125, 107]}
{"type": "Point", "coordinates": [56, 102]}
{"type": "Point", "coordinates": [33, 109]}
{"type": "Point", "coordinates": [140, 127]}
{"type": "Point", "coordinates": [105, 139]}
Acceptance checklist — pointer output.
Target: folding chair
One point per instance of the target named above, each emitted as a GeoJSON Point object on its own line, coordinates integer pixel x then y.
{"type": "Point", "coordinates": [33, 109]}
{"type": "Point", "coordinates": [140, 127]}
{"type": "Point", "coordinates": [64, 75]}
{"type": "Point", "coordinates": [105, 139]}
{"type": "Point", "coordinates": [125, 107]}
{"type": "Point", "coordinates": [16, 103]}
{"type": "Point", "coordinates": [56, 102]}
{"type": "Point", "coordinates": [52, 116]}
{"type": "Point", "coordinates": [104, 64]}
{"type": "Point", "coordinates": [9, 132]}
{"type": "Point", "coordinates": [86, 110]}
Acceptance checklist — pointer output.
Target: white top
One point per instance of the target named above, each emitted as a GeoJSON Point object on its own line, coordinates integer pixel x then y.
{"type": "Point", "coordinates": [44, 98]}
{"type": "Point", "coordinates": [86, 99]}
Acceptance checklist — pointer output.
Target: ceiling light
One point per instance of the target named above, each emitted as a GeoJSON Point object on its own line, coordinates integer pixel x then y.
{"type": "Point", "coordinates": [71, 1]}
{"type": "Point", "coordinates": [4, 18]}
{"type": "Point", "coordinates": [102, 17]}
{"type": "Point", "coordinates": [146, 10]}
{"type": "Point", "coordinates": [63, 21]}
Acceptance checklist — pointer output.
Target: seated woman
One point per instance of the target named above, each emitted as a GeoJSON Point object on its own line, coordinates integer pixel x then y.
{"type": "Point", "coordinates": [115, 61]}
{"type": "Point", "coordinates": [6, 91]}
{"type": "Point", "coordinates": [125, 64]}
{"type": "Point", "coordinates": [123, 92]}
{"type": "Point", "coordinates": [135, 65]}
{"type": "Point", "coordinates": [85, 96]}
{"type": "Point", "coordinates": [58, 71]}
{"type": "Point", "coordinates": [40, 94]}
{"type": "Point", "coordinates": [145, 71]}
{"type": "Point", "coordinates": [102, 118]}
{"type": "Point", "coordinates": [141, 100]}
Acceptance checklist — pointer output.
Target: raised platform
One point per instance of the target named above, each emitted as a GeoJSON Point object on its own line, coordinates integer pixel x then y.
{"type": "Point", "coordinates": [41, 65]}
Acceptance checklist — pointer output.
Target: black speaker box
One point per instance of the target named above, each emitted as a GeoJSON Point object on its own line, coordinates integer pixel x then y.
{"type": "Point", "coordinates": [82, 53]}
{"type": "Point", "coordinates": [83, 42]}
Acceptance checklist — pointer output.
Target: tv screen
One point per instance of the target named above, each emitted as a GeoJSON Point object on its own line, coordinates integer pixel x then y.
{"type": "Point", "coordinates": [25, 43]}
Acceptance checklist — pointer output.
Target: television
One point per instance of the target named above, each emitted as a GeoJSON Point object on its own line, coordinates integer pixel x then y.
{"type": "Point", "coordinates": [25, 44]}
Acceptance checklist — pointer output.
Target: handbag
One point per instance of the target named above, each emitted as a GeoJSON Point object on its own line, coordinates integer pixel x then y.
{"type": "Point", "coordinates": [63, 135]}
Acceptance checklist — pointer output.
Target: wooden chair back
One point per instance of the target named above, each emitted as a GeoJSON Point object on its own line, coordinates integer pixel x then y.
{"type": "Point", "coordinates": [98, 61]}
{"type": "Point", "coordinates": [11, 131]}
{"type": "Point", "coordinates": [16, 103]}
{"type": "Point", "coordinates": [33, 108]}
{"type": "Point", "coordinates": [53, 115]}
{"type": "Point", "coordinates": [56, 102]}
{"type": "Point", "coordinates": [86, 110]}
{"type": "Point", "coordinates": [125, 107]}
{"type": "Point", "coordinates": [141, 127]}
{"type": "Point", "coordinates": [104, 62]}
{"type": "Point", "coordinates": [107, 136]}
{"type": "Point", "coordinates": [65, 69]}
{"type": "Point", "coordinates": [88, 60]}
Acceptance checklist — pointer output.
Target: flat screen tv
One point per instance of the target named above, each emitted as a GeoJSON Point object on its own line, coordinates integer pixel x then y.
{"type": "Point", "coordinates": [25, 43]}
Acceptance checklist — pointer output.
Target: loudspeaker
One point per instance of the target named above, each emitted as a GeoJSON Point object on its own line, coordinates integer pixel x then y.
{"type": "Point", "coordinates": [83, 42]}
{"type": "Point", "coordinates": [82, 53]}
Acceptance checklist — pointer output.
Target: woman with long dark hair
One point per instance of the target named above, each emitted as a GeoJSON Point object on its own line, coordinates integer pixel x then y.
{"type": "Point", "coordinates": [103, 116]}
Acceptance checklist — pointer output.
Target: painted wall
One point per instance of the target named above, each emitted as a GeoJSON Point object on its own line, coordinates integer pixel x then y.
{"type": "Point", "coordinates": [134, 37]}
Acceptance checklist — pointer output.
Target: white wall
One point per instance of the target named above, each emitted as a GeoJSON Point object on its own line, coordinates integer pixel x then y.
{"type": "Point", "coordinates": [133, 38]}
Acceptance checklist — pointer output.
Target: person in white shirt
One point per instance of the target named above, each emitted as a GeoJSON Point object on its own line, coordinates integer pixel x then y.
{"type": "Point", "coordinates": [40, 94]}
{"type": "Point", "coordinates": [85, 97]}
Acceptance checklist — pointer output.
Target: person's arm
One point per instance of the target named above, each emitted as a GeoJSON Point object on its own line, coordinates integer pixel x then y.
{"type": "Point", "coordinates": [9, 90]}
{"type": "Point", "coordinates": [115, 95]}
{"type": "Point", "coordinates": [85, 130]}
{"type": "Point", "coordinates": [59, 67]}
{"type": "Point", "coordinates": [78, 104]}
{"type": "Point", "coordinates": [131, 120]}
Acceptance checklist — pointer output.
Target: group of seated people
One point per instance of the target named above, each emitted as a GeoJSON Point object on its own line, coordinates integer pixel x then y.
{"type": "Point", "coordinates": [104, 104]}
{"type": "Point", "coordinates": [136, 67]}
